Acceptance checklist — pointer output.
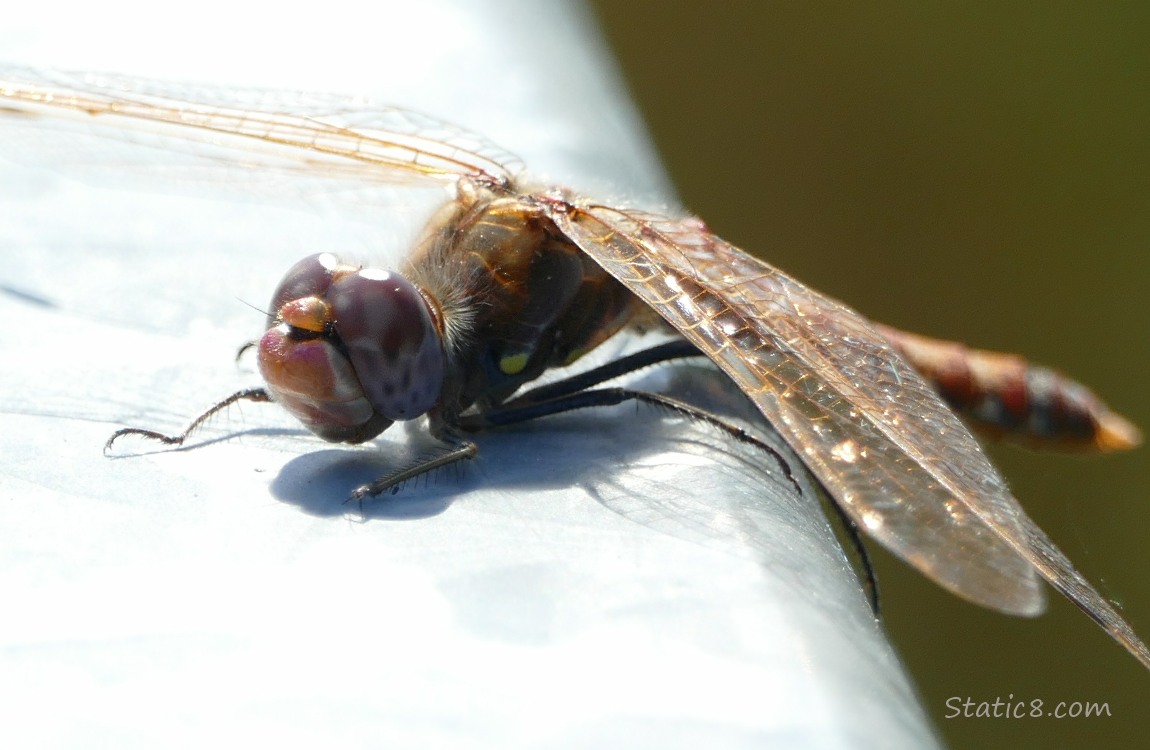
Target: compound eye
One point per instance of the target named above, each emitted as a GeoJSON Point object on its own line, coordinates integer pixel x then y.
{"type": "Point", "coordinates": [311, 277]}
{"type": "Point", "coordinates": [392, 341]}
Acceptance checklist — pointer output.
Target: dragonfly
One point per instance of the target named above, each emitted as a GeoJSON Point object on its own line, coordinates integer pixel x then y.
{"type": "Point", "coordinates": [509, 280]}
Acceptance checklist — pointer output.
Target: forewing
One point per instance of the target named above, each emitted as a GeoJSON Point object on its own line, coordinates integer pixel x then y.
{"type": "Point", "coordinates": [893, 456]}
{"type": "Point", "coordinates": [333, 135]}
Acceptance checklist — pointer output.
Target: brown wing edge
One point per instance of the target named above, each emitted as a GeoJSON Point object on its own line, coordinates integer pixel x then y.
{"type": "Point", "coordinates": [610, 246]}
{"type": "Point", "coordinates": [359, 135]}
{"type": "Point", "coordinates": [1000, 578]}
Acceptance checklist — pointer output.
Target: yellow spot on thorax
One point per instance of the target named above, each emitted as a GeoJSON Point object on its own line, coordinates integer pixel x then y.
{"type": "Point", "coordinates": [513, 364]}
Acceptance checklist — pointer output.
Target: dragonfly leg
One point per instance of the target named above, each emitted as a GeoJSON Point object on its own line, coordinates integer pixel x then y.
{"type": "Point", "coordinates": [675, 349]}
{"type": "Point", "coordinates": [525, 405]}
{"type": "Point", "coordinates": [459, 450]}
{"type": "Point", "coordinates": [520, 410]}
{"type": "Point", "coordinates": [258, 395]}
{"type": "Point", "coordinates": [528, 407]}
{"type": "Point", "coordinates": [245, 349]}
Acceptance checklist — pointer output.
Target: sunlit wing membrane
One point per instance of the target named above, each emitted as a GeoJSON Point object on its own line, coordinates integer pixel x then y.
{"type": "Point", "coordinates": [349, 136]}
{"type": "Point", "coordinates": [867, 425]}
{"type": "Point", "coordinates": [860, 418]}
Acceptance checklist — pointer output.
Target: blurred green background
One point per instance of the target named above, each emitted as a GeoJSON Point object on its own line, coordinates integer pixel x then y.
{"type": "Point", "coordinates": [977, 171]}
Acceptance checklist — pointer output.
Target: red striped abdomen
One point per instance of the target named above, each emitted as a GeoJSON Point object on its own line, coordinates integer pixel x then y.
{"type": "Point", "coordinates": [1004, 395]}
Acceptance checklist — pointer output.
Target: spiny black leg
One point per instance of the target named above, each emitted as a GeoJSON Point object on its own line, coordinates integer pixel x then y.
{"type": "Point", "coordinates": [258, 395]}
{"type": "Point", "coordinates": [462, 450]}
{"type": "Point", "coordinates": [524, 409]}
{"type": "Point", "coordinates": [513, 414]}
{"type": "Point", "coordinates": [244, 349]}
{"type": "Point", "coordinates": [676, 349]}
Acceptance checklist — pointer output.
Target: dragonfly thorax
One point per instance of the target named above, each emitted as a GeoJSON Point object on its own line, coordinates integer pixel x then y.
{"type": "Point", "coordinates": [516, 295]}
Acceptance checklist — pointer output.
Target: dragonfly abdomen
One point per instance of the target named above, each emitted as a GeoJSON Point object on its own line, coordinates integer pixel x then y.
{"type": "Point", "coordinates": [1005, 396]}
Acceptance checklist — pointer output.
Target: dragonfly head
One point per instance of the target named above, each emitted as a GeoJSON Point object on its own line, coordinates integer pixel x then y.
{"type": "Point", "coordinates": [350, 350]}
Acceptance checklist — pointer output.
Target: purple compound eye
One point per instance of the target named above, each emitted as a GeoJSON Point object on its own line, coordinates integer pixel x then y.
{"type": "Point", "coordinates": [349, 350]}
{"type": "Point", "coordinates": [391, 339]}
{"type": "Point", "coordinates": [310, 277]}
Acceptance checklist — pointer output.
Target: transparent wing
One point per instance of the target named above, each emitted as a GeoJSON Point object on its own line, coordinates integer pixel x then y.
{"type": "Point", "coordinates": [893, 456]}
{"type": "Point", "coordinates": [338, 136]}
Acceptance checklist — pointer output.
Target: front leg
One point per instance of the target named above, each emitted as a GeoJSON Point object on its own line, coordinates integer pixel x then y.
{"type": "Point", "coordinates": [443, 427]}
{"type": "Point", "coordinates": [258, 395]}
{"type": "Point", "coordinates": [450, 452]}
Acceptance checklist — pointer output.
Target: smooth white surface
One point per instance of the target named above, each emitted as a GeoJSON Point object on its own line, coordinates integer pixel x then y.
{"type": "Point", "coordinates": [611, 579]}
